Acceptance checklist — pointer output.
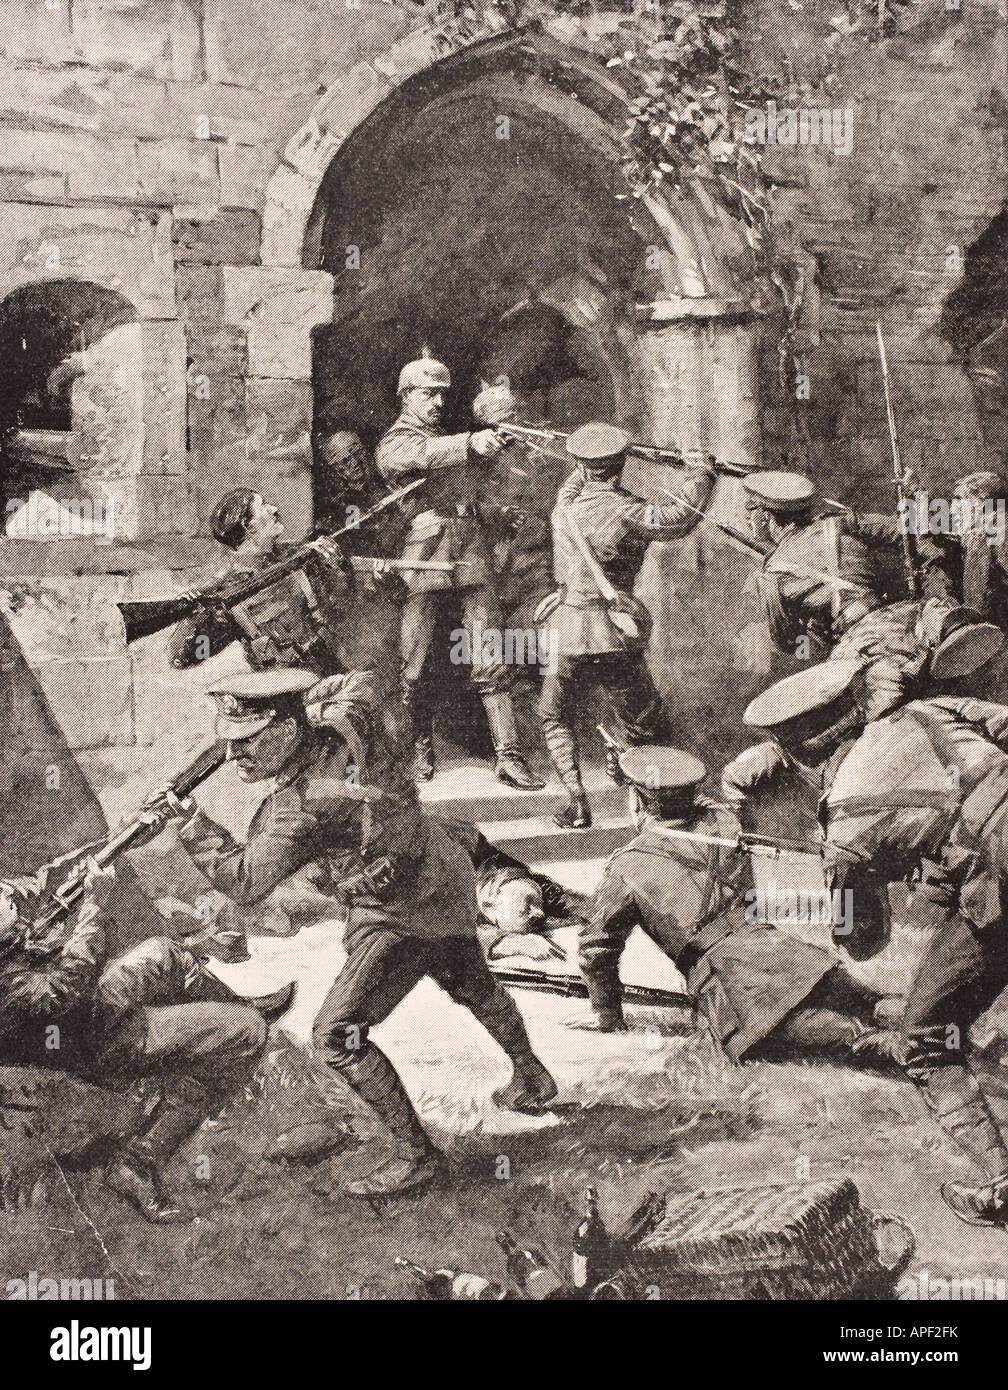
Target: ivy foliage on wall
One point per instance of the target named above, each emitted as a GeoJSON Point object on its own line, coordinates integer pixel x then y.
{"type": "Point", "coordinates": [688, 90]}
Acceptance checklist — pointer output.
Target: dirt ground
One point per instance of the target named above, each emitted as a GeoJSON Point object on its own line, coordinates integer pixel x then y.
{"type": "Point", "coordinates": [652, 1110]}
{"type": "Point", "coordinates": [637, 1113]}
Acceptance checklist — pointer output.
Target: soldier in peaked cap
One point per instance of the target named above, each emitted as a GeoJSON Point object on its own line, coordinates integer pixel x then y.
{"type": "Point", "coordinates": [598, 526]}
{"type": "Point", "coordinates": [920, 794]}
{"type": "Point", "coordinates": [760, 989]}
{"type": "Point", "coordinates": [344, 798]}
{"type": "Point", "coordinates": [447, 520]}
{"type": "Point", "coordinates": [782, 516]}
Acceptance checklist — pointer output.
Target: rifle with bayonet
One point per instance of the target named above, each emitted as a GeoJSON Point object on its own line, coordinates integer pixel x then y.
{"type": "Point", "coordinates": [573, 987]}
{"type": "Point", "coordinates": [42, 938]}
{"type": "Point", "coordinates": [797, 570]}
{"type": "Point", "coordinates": [758, 846]}
{"type": "Point", "coordinates": [911, 560]}
{"type": "Point", "coordinates": [140, 619]}
{"type": "Point", "coordinates": [539, 434]}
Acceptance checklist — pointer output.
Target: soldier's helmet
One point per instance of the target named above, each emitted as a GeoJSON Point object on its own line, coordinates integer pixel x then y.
{"type": "Point", "coordinates": [425, 371]}
{"type": "Point", "coordinates": [249, 701]}
{"type": "Point", "coordinates": [494, 404]}
{"type": "Point", "coordinates": [806, 710]}
{"type": "Point", "coordinates": [780, 491]}
{"type": "Point", "coordinates": [599, 449]}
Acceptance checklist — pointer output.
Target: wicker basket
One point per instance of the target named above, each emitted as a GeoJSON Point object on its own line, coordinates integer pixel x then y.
{"type": "Point", "coordinates": [801, 1241]}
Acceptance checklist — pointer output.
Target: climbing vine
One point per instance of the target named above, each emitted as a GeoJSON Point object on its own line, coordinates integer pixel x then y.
{"type": "Point", "coordinates": [688, 91]}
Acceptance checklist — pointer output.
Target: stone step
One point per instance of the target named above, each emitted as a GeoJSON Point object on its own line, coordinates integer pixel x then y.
{"type": "Point", "coordinates": [470, 791]}
{"type": "Point", "coordinates": [537, 841]}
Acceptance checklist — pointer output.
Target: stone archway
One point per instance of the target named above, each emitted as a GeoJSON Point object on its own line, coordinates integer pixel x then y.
{"type": "Point", "coordinates": [690, 299]}
{"type": "Point", "coordinates": [369, 202]}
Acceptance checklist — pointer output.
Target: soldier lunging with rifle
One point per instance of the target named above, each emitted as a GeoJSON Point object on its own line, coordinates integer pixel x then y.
{"type": "Point", "coordinates": [284, 602]}
{"type": "Point", "coordinates": [600, 535]}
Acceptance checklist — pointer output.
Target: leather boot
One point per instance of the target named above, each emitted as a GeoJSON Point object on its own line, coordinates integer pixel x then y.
{"type": "Point", "coordinates": [531, 1088]}
{"type": "Point", "coordinates": [135, 1172]}
{"type": "Point", "coordinates": [206, 988]}
{"type": "Point", "coordinates": [131, 1176]}
{"type": "Point", "coordinates": [511, 767]}
{"type": "Point", "coordinates": [420, 731]}
{"type": "Point", "coordinates": [979, 1206]}
{"type": "Point", "coordinates": [576, 815]}
{"type": "Point", "coordinates": [423, 758]}
{"type": "Point", "coordinates": [374, 1078]}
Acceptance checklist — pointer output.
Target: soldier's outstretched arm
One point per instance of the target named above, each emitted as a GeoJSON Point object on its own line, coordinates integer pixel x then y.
{"type": "Point", "coordinates": [676, 519]}
{"type": "Point", "coordinates": [404, 453]}
{"type": "Point", "coordinates": [246, 874]}
{"type": "Point", "coordinates": [754, 770]}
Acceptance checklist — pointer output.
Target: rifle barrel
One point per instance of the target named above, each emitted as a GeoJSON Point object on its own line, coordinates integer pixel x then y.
{"type": "Point", "coordinates": [910, 558]}
{"type": "Point", "coordinates": [64, 897]}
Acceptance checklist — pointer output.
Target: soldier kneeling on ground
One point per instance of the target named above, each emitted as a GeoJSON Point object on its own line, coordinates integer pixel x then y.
{"type": "Point", "coordinates": [762, 991]}
{"type": "Point", "coordinates": [153, 1010]}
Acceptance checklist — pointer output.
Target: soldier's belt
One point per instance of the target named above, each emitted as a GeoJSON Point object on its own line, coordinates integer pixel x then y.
{"type": "Point", "coordinates": [371, 880]}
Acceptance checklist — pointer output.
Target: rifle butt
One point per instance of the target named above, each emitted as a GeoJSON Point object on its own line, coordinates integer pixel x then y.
{"type": "Point", "coordinates": [142, 619]}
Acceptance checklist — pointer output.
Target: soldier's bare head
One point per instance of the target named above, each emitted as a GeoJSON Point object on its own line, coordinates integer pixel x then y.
{"type": "Point", "coordinates": [514, 905]}
{"type": "Point", "coordinates": [244, 522]}
{"type": "Point", "coordinates": [342, 454]}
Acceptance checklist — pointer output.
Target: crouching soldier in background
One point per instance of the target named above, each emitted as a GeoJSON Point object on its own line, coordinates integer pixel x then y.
{"type": "Point", "coordinates": [150, 1010]}
{"type": "Point", "coordinates": [761, 990]}
{"type": "Point", "coordinates": [343, 793]}
{"type": "Point", "coordinates": [920, 794]}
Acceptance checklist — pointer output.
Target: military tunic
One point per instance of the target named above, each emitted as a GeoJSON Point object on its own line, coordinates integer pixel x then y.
{"type": "Point", "coordinates": [746, 978]}
{"type": "Point", "coordinates": [618, 527]}
{"type": "Point", "coordinates": [201, 636]}
{"type": "Point", "coordinates": [840, 546]}
{"type": "Point", "coordinates": [121, 1018]}
{"type": "Point", "coordinates": [412, 908]}
{"type": "Point", "coordinates": [445, 521]}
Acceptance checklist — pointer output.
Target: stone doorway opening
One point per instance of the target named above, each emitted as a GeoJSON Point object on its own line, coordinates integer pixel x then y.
{"type": "Point", "coordinates": [480, 210]}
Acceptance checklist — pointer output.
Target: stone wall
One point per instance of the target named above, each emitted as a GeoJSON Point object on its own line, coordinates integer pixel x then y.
{"type": "Point", "coordinates": [173, 151]}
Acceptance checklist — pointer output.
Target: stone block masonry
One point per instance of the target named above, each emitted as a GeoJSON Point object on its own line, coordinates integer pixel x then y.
{"type": "Point", "coordinates": [173, 152]}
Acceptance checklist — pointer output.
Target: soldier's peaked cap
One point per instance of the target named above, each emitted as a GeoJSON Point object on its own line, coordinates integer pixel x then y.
{"type": "Point", "coordinates": [780, 490]}
{"type": "Point", "coordinates": [425, 371]}
{"type": "Point", "coordinates": [593, 443]}
{"type": "Point", "coordinates": [654, 768]}
{"type": "Point", "coordinates": [249, 701]}
{"type": "Point", "coordinates": [803, 694]}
